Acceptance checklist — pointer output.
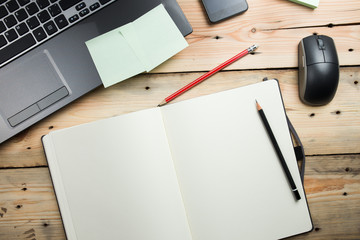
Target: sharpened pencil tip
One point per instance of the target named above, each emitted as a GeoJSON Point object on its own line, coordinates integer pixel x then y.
{"type": "Point", "coordinates": [162, 103]}
{"type": "Point", "coordinates": [258, 105]}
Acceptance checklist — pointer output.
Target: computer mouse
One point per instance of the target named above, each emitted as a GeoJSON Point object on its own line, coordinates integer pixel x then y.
{"type": "Point", "coordinates": [318, 70]}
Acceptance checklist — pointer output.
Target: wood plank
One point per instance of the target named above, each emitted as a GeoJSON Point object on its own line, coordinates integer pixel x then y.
{"type": "Point", "coordinates": [277, 29]}
{"type": "Point", "coordinates": [330, 129]}
{"type": "Point", "coordinates": [278, 48]}
{"type": "Point", "coordinates": [277, 14]}
{"type": "Point", "coordinates": [332, 184]}
{"type": "Point", "coordinates": [28, 208]}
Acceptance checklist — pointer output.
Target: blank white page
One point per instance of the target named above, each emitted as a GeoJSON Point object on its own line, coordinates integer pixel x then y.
{"type": "Point", "coordinates": [231, 180]}
{"type": "Point", "coordinates": [115, 179]}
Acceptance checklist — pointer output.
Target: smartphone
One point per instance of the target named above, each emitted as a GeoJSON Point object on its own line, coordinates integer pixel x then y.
{"type": "Point", "coordinates": [218, 10]}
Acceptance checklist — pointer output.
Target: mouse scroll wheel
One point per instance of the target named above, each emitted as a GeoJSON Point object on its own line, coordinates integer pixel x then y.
{"type": "Point", "coordinates": [321, 44]}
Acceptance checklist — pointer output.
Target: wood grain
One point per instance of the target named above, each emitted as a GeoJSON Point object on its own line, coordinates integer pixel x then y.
{"type": "Point", "coordinates": [29, 210]}
{"type": "Point", "coordinates": [330, 134]}
{"type": "Point", "coordinates": [332, 184]}
{"type": "Point", "coordinates": [331, 129]}
{"type": "Point", "coordinates": [276, 25]}
{"type": "Point", "coordinates": [276, 14]}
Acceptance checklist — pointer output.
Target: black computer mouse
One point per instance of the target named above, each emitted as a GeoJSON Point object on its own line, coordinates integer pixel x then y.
{"type": "Point", "coordinates": [318, 70]}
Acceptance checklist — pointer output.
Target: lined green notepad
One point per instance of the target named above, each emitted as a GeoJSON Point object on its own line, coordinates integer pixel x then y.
{"type": "Point", "coordinates": [307, 3]}
{"type": "Point", "coordinates": [136, 47]}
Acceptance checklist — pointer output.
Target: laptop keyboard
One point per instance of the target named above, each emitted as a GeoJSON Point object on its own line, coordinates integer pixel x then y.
{"type": "Point", "coordinates": [24, 24]}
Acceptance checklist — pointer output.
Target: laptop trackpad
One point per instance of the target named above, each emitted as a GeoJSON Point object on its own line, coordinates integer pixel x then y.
{"type": "Point", "coordinates": [30, 87]}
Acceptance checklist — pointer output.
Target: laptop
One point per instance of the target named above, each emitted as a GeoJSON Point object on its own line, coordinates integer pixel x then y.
{"type": "Point", "coordinates": [44, 62]}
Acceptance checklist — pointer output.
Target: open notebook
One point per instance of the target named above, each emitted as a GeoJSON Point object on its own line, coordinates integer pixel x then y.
{"type": "Point", "coordinates": [201, 169]}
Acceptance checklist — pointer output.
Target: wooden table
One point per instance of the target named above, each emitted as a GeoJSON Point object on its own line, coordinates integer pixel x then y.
{"type": "Point", "coordinates": [330, 134]}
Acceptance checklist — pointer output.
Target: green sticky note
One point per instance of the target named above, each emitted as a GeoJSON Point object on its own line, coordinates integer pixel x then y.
{"type": "Point", "coordinates": [308, 3]}
{"type": "Point", "coordinates": [136, 47]}
{"type": "Point", "coordinates": [129, 32]}
{"type": "Point", "coordinates": [114, 59]}
{"type": "Point", "coordinates": [158, 38]}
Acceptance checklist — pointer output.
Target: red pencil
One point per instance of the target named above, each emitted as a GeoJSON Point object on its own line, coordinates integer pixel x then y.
{"type": "Point", "coordinates": [208, 74]}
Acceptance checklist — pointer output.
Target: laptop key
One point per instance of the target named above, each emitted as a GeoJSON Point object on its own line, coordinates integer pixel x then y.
{"type": "Point", "coordinates": [73, 18]}
{"type": "Point", "coordinates": [2, 41]}
{"type": "Point", "coordinates": [2, 27]}
{"type": "Point", "coordinates": [54, 10]}
{"type": "Point", "coordinates": [84, 12]}
{"type": "Point", "coordinates": [94, 6]}
{"type": "Point", "coordinates": [21, 15]}
{"type": "Point", "coordinates": [11, 35]}
{"type": "Point", "coordinates": [43, 3]}
{"type": "Point", "coordinates": [16, 47]}
{"type": "Point", "coordinates": [104, 1]}
{"type": "Point", "coordinates": [32, 8]}
{"type": "Point", "coordinates": [23, 2]}
{"type": "Point", "coordinates": [61, 21]}
{"type": "Point", "coordinates": [43, 16]}
{"type": "Point", "coordinates": [66, 4]}
{"type": "Point", "coordinates": [12, 5]}
{"type": "Point", "coordinates": [32, 22]}
{"type": "Point", "coordinates": [50, 28]}
{"type": "Point", "coordinates": [10, 21]}
{"type": "Point", "coordinates": [39, 34]}
{"type": "Point", "coordinates": [22, 29]}
{"type": "Point", "coordinates": [80, 6]}
{"type": "Point", "coordinates": [3, 12]}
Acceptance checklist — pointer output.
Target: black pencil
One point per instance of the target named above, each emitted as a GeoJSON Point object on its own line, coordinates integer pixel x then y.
{"type": "Point", "coordinates": [278, 152]}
